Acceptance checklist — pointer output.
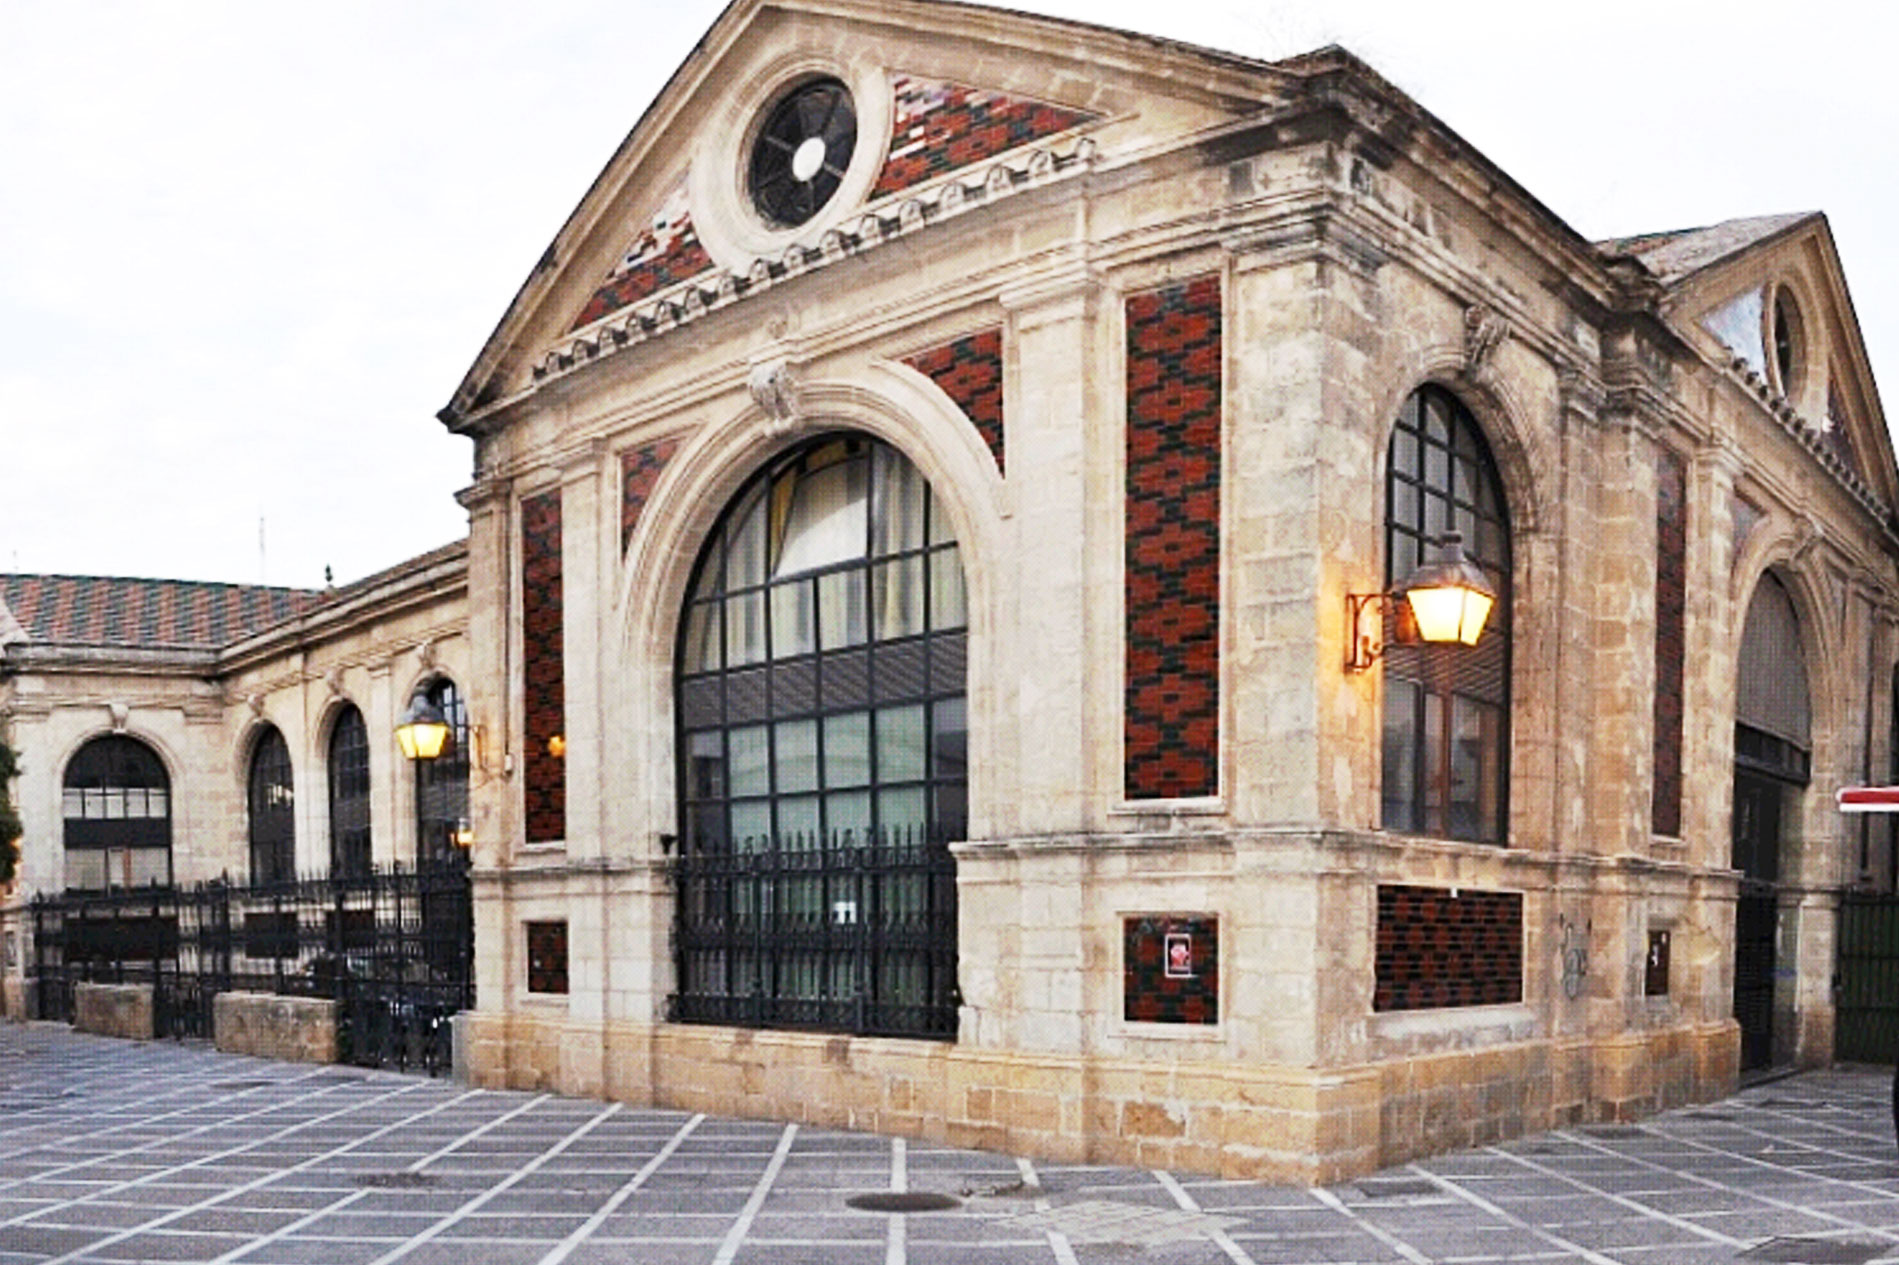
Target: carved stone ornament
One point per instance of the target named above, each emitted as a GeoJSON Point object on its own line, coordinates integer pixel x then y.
{"type": "Point", "coordinates": [121, 713]}
{"type": "Point", "coordinates": [425, 652]}
{"type": "Point", "coordinates": [334, 679]}
{"type": "Point", "coordinates": [1484, 331]}
{"type": "Point", "coordinates": [256, 703]}
{"type": "Point", "coordinates": [775, 390]}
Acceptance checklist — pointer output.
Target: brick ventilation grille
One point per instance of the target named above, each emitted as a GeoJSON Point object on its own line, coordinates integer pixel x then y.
{"type": "Point", "coordinates": [943, 127]}
{"type": "Point", "coordinates": [1153, 994]}
{"type": "Point", "coordinates": [640, 469]}
{"type": "Point", "coordinates": [970, 372]}
{"type": "Point", "coordinates": [547, 957]}
{"type": "Point", "coordinates": [1437, 949]}
{"type": "Point", "coordinates": [1671, 607]}
{"type": "Point", "coordinates": [1172, 706]}
{"type": "Point", "coordinates": [544, 779]}
{"type": "Point", "coordinates": [666, 252]}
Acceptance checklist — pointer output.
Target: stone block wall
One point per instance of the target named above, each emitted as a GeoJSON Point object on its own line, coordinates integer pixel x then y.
{"type": "Point", "coordinates": [113, 1010]}
{"type": "Point", "coordinates": [295, 1029]}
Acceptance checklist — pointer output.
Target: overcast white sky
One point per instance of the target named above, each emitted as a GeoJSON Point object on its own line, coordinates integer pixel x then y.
{"type": "Point", "coordinates": [248, 249]}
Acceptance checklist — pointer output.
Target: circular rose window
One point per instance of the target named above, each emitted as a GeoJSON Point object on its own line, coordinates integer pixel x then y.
{"type": "Point", "coordinates": [802, 152]}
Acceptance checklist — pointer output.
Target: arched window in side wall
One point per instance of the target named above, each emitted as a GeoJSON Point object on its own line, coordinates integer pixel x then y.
{"type": "Point", "coordinates": [273, 810]}
{"type": "Point", "coordinates": [1447, 708]}
{"type": "Point", "coordinates": [116, 804]}
{"type": "Point", "coordinates": [441, 784]}
{"type": "Point", "coordinates": [822, 751]}
{"type": "Point", "coordinates": [349, 794]}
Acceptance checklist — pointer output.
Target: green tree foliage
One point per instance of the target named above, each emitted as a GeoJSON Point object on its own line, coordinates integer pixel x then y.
{"type": "Point", "coordinates": [9, 818]}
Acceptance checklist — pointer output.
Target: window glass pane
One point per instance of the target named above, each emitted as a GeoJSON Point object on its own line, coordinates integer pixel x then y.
{"type": "Point", "coordinates": [942, 529]}
{"type": "Point", "coordinates": [114, 804]}
{"type": "Point", "coordinates": [952, 811]}
{"type": "Point", "coordinates": [150, 866]}
{"type": "Point", "coordinates": [1433, 765]}
{"type": "Point", "coordinates": [751, 824]}
{"type": "Point", "coordinates": [820, 517]}
{"type": "Point", "coordinates": [85, 868]}
{"type": "Point", "coordinates": [72, 803]}
{"type": "Point", "coordinates": [794, 620]}
{"type": "Point", "coordinates": [898, 593]}
{"type": "Point", "coordinates": [947, 607]}
{"type": "Point", "coordinates": [950, 749]}
{"type": "Point", "coordinates": [705, 770]}
{"type": "Point", "coordinates": [702, 638]}
{"type": "Point", "coordinates": [847, 818]}
{"type": "Point", "coordinates": [1404, 452]}
{"type": "Point", "coordinates": [798, 822]}
{"type": "Point", "coordinates": [900, 745]}
{"type": "Point", "coordinates": [902, 816]}
{"type": "Point", "coordinates": [843, 610]}
{"type": "Point", "coordinates": [1400, 747]}
{"type": "Point", "coordinates": [745, 546]}
{"type": "Point", "coordinates": [745, 629]}
{"type": "Point", "coordinates": [798, 756]}
{"type": "Point", "coordinates": [705, 828]}
{"type": "Point", "coordinates": [750, 757]}
{"type": "Point", "coordinates": [1466, 758]}
{"type": "Point", "coordinates": [900, 504]}
{"type": "Point", "coordinates": [847, 749]}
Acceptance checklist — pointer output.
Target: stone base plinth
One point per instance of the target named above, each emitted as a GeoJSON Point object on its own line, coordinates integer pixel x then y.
{"type": "Point", "coordinates": [113, 1010]}
{"type": "Point", "coordinates": [295, 1029]}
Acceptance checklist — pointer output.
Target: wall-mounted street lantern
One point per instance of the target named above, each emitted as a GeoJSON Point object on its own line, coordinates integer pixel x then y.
{"type": "Point", "coordinates": [423, 730]}
{"type": "Point", "coordinates": [1443, 602]}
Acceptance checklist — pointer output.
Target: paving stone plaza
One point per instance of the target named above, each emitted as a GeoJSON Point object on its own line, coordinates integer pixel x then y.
{"type": "Point", "coordinates": [124, 1151]}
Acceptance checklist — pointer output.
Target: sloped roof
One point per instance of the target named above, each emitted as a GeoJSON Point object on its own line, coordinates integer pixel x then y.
{"type": "Point", "coordinates": [110, 611]}
{"type": "Point", "coordinates": [1676, 255]}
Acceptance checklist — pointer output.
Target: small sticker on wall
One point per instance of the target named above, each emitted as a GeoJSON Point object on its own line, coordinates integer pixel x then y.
{"type": "Point", "coordinates": [1179, 955]}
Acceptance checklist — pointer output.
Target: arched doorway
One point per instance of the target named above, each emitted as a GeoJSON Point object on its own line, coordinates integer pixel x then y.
{"type": "Point", "coordinates": [116, 805]}
{"type": "Point", "coordinates": [821, 751]}
{"type": "Point", "coordinates": [1772, 757]}
{"type": "Point", "coordinates": [271, 798]}
{"type": "Point", "coordinates": [441, 784]}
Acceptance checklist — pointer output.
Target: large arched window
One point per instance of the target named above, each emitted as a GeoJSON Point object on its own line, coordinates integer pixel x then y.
{"type": "Point", "coordinates": [273, 810]}
{"type": "Point", "coordinates": [116, 802]}
{"type": "Point", "coordinates": [1447, 708]}
{"type": "Point", "coordinates": [441, 784]}
{"type": "Point", "coordinates": [821, 750]}
{"type": "Point", "coordinates": [349, 793]}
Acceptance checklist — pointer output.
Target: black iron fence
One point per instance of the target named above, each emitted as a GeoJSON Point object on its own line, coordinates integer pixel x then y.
{"type": "Point", "coordinates": [394, 947]}
{"type": "Point", "coordinates": [835, 933]}
{"type": "Point", "coordinates": [1867, 1003]}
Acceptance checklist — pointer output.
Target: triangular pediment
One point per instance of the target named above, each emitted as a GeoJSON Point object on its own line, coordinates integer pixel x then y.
{"type": "Point", "coordinates": [1766, 299]}
{"type": "Point", "coordinates": [951, 109]}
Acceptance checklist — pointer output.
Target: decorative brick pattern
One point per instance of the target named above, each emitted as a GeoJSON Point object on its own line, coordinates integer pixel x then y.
{"type": "Point", "coordinates": [640, 469]}
{"type": "Point", "coordinates": [1671, 609]}
{"type": "Point", "coordinates": [1439, 948]}
{"type": "Point", "coordinates": [666, 252]}
{"type": "Point", "coordinates": [544, 778]}
{"type": "Point", "coordinates": [970, 372]}
{"type": "Point", "coordinates": [940, 127]}
{"type": "Point", "coordinates": [75, 610]}
{"type": "Point", "coordinates": [1172, 707]}
{"type": "Point", "coordinates": [547, 957]}
{"type": "Point", "coordinates": [1170, 969]}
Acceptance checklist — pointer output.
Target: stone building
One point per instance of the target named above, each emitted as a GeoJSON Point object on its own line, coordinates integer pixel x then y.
{"type": "Point", "coordinates": [173, 732]}
{"type": "Point", "coordinates": [928, 637]}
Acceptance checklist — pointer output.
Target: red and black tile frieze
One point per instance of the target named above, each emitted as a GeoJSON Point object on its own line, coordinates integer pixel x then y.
{"type": "Point", "coordinates": [943, 127]}
{"type": "Point", "coordinates": [1671, 611]}
{"type": "Point", "coordinates": [544, 778]}
{"type": "Point", "coordinates": [970, 372]}
{"type": "Point", "coordinates": [1170, 969]}
{"type": "Point", "coordinates": [1172, 572]}
{"type": "Point", "coordinates": [1440, 947]}
{"type": "Point", "coordinates": [640, 469]}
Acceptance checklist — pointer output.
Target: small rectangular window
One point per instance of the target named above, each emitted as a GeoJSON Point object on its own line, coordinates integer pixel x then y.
{"type": "Point", "coordinates": [547, 957]}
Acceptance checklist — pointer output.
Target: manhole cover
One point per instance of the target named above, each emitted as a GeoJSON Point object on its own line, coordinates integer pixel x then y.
{"type": "Point", "coordinates": [400, 1180]}
{"type": "Point", "coordinates": [338, 1078]}
{"type": "Point", "coordinates": [1723, 1116]}
{"type": "Point", "coordinates": [242, 1085]}
{"type": "Point", "coordinates": [1815, 1251]}
{"type": "Point", "coordinates": [1792, 1104]}
{"type": "Point", "coordinates": [1396, 1187]}
{"type": "Point", "coordinates": [904, 1201]}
